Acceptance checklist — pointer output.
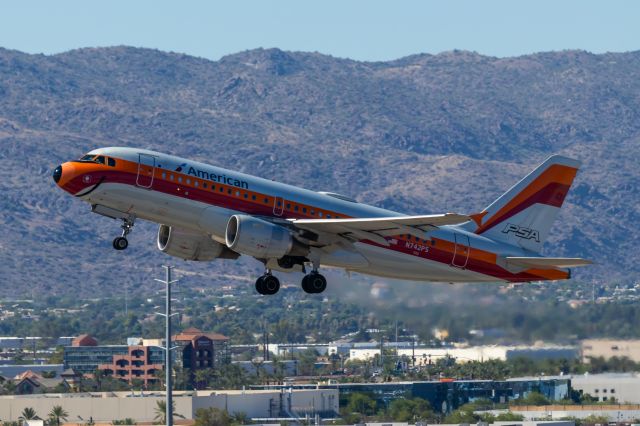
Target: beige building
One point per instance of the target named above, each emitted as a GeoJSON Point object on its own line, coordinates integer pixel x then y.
{"type": "Point", "coordinates": [605, 348]}
{"type": "Point", "coordinates": [108, 406]}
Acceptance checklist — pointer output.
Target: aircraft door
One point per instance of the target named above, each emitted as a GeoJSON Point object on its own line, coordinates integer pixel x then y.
{"type": "Point", "coordinates": [278, 206]}
{"type": "Point", "coordinates": [460, 251]}
{"type": "Point", "coordinates": [146, 167]}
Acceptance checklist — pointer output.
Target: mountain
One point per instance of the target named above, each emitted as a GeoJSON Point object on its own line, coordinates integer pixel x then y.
{"type": "Point", "coordinates": [421, 134]}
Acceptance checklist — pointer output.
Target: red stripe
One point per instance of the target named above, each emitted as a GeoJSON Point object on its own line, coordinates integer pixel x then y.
{"type": "Point", "coordinates": [551, 195]}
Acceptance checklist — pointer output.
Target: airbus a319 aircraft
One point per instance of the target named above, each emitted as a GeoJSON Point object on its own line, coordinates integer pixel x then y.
{"type": "Point", "coordinates": [207, 212]}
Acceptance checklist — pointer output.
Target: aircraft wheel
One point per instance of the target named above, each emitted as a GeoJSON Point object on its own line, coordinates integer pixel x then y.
{"type": "Point", "coordinates": [260, 285]}
{"type": "Point", "coordinates": [120, 243]}
{"type": "Point", "coordinates": [270, 284]}
{"type": "Point", "coordinates": [314, 283]}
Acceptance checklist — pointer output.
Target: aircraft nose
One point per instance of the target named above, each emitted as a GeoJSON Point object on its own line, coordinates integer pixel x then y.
{"type": "Point", "coordinates": [57, 174]}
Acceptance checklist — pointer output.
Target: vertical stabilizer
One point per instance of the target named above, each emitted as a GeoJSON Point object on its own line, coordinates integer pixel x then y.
{"type": "Point", "coordinates": [523, 215]}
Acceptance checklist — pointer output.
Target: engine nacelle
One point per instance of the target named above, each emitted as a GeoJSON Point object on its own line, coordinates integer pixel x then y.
{"type": "Point", "coordinates": [191, 245]}
{"type": "Point", "coordinates": [261, 239]}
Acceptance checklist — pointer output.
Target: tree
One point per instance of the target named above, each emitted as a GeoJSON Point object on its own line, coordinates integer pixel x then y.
{"type": "Point", "coordinates": [28, 414]}
{"type": "Point", "coordinates": [533, 398]}
{"type": "Point", "coordinates": [127, 421]}
{"type": "Point", "coordinates": [409, 410]}
{"type": "Point", "coordinates": [161, 411]}
{"type": "Point", "coordinates": [58, 413]}
{"type": "Point", "coordinates": [509, 417]}
{"type": "Point", "coordinates": [361, 403]}
{"type": "Point", "coordinates": [212, 417]}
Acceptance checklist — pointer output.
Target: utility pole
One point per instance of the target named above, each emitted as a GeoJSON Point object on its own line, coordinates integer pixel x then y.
{"type": "Point", "coordinates": [168, 365]}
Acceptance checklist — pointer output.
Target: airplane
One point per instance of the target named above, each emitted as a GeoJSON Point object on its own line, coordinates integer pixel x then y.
{"type": "Point", "coordinates": [206, 212]}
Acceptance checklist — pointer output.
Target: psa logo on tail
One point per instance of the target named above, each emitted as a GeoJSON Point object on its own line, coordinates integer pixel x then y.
{"type": "Point", "coordinates": [522, 232]}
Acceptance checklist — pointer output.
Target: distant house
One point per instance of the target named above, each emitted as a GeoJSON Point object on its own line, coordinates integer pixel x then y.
{"type": "Point", "coordinates": [30, 382]}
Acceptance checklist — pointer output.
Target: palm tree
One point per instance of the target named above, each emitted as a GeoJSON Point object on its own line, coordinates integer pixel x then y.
{"type": "Point", "coordinates": [161, 411]}
{"type": "Point", "coordinates": [57, 413]}
{"type": "Point", "coordinates": [28, 414]}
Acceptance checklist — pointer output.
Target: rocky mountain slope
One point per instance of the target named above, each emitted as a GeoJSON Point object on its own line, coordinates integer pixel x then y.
{"type": "Point", "coordinates": [422, 134]}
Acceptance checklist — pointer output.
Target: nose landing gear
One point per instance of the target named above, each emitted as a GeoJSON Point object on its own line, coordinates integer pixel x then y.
{"type": "Point", "coordinates": [121, 243]}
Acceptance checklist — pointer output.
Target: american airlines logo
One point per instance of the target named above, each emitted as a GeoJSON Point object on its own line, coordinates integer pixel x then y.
{"type": "Point", "coordinates": [522, 232]}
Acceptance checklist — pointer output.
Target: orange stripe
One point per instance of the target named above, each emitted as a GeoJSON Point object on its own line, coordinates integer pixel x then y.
{"type": "Point", "coordinates": [556, 173]}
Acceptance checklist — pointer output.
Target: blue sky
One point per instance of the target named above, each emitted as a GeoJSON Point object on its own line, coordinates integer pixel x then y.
{"type": "Point", "coordinates": [363, 30]}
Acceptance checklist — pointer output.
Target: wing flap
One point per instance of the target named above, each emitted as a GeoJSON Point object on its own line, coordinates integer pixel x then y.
{"type": "Point", "coordinates": [547, 262]}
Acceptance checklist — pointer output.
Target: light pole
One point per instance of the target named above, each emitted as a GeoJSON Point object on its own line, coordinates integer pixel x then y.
{"type": "Point", "coordinates": [168, 365]}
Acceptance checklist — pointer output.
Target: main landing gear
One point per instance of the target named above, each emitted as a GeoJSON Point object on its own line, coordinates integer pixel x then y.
{"type": "Point", "coordinates": [267, 284]}
{"type": "Point", "coordinates": [121, 243]}
{"type": "Point", "coordinates": [312, 283]}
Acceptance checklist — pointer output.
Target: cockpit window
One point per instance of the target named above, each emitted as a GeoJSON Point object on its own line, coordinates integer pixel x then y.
{"type": "Point", "coordinates": [111, 162]}
{"type": "Point", "coordinates": [87, 157]}
{"type": "Point", "coordinates": [99, 159]}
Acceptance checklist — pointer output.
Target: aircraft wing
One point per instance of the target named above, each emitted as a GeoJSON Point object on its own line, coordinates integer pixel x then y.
{"type": "Point", "coordinates": [547, 262]}
{"type": "Point", "coordinates": [376, 228]}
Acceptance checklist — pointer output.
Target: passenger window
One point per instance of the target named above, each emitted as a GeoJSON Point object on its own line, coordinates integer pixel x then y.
{"type": "Point", "coordinates": [246, 195]}
{"type": "Point", "coordinates": [100, 159]}
{"type": "Point", "coordinates": [320, 214]}
{"type": "Point", "coordinates": [180, 179]}
{"type": "Point", "coordinates": [204, 185]}
{"type": "Point", "coordinates": [237, 193]}
{"type": "Point", "coordinates": [304, 210]}
{"type": "Point", "coordinates": [229, 191]}
{"type": "Point", "coordinates": [266, 201]}
{"type": "Point", "coordinates": [195, 184]}
{"type": "Point", "coordinates": [164, 175]}
{"type": "Point", "coordinates": [221, 189]}
{"type": "Point", "coordinates": [170, 177]}
{"type": "Point", "coordinates": [328, 216]}
{"type": "Point", "coordinates": [288, 206]}
{"type": "Point", "coordinates": [188, 181]}
{"type": "Point", "coordinates": [111, 162]}
{"type": "Point", "coordinates": [295, 208]}
{"type": "Point", "coordinates": [253, 197]}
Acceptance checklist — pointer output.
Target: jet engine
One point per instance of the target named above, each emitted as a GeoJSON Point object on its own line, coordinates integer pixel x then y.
{"type": "Point", "coordinates": [191, 245]}
{"type": "Point", "coordinates": [261, 239]}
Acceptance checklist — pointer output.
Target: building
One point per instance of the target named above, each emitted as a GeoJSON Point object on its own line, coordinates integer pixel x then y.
{"type": "Point", "coordinates": [143, 363]}
{"type": "Point", "coordinates": [198, 350]}
{"type": "Point", "coordinates": [143, 359]}
{"type": "Point", "coordinates": [615, 413]}
{"type": "Point", "coordinates": [291, 405]}
{"type": "Point", "coordinates": [424, 356]}
{"type": "Point", "coordinates": [125, 362]}
{"type": "Point", "coordinates": [607, 349]}
{"type": "Point", "coordinates": [446, 395]}
{"type": "Point", "coordinates": [620, 387]}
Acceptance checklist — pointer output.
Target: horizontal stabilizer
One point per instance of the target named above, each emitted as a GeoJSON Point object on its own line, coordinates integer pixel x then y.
{"type": "Point", "coordinates": [547, 262]}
